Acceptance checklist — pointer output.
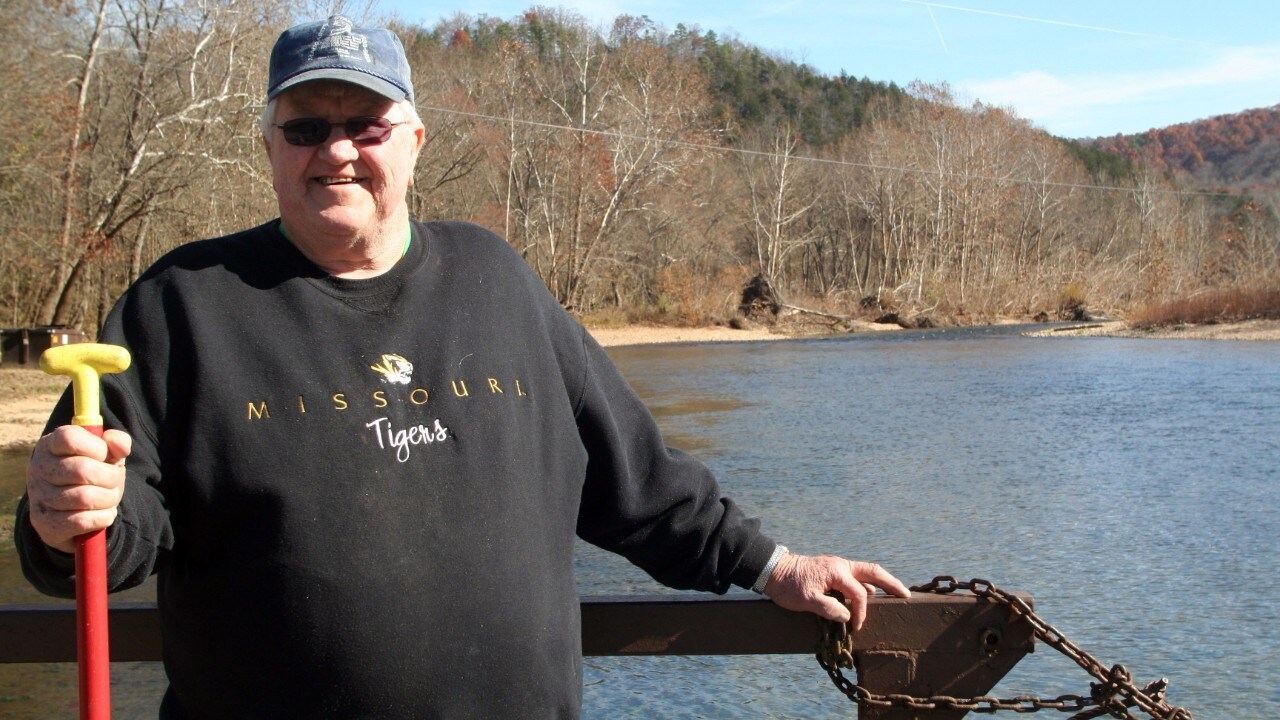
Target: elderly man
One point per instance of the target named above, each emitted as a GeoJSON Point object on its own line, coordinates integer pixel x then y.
{"type": "Point", "coordinates": [356, 449]}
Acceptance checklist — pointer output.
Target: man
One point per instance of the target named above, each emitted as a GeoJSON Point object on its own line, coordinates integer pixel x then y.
{"type": "Point", "coordinates": [357, 449]}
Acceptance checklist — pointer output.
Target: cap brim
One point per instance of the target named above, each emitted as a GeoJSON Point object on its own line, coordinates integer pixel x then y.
{"type": "Point", "coordinates": [355, 77]}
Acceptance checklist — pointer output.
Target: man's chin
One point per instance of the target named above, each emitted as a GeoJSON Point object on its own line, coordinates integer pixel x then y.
{"type": "Point", "coordinates": [338, 221]}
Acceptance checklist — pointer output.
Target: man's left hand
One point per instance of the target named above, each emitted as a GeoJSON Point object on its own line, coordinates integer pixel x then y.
{"type": "Point", "coordinates": [801, 582]}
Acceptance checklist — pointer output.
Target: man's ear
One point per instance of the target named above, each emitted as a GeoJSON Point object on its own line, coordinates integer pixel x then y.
{"type": "Point", "coordinates": [420, 137]}
{"type": "Point", "coordinates": [419, 132]}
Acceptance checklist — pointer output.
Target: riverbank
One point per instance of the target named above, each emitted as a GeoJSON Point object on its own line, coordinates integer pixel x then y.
{"type": "Point", "coordinates": [658, 335]}
{"type": "Point", "coordinates": [1268, 330]}
{"type": "Point", "coordinates": [1246, 330]}
{"type": "Point", "coordinates": [27, 395]}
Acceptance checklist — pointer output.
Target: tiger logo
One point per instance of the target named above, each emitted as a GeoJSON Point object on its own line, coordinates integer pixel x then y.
{"type": "Point", "coordinates": [394, 369]}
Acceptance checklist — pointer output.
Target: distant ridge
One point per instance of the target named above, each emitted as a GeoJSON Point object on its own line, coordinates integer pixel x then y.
{"type": "Point", "coordinates": [1240, 151]}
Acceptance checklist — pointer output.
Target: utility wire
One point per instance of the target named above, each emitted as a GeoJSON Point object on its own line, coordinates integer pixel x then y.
{"type": "Point", "coordinates": [808, 158]}
{"type": "Point", "coordinates": [126, 52]}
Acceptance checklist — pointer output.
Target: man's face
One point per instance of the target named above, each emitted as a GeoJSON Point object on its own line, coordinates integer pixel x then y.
{"type": "Point", "coordinates": [339, 194]}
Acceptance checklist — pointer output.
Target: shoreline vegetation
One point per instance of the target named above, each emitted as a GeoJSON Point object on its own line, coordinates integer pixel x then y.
{"type": "Point", "coordinates": [27, 395]}
{"type": "Point", "coordinates": [709, 175]}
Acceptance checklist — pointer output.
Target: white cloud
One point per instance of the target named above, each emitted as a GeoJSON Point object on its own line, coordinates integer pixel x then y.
{"type": "Point", "coordinates": [1094, 103]}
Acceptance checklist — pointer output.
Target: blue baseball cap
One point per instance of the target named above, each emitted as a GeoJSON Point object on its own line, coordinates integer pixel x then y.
{"type": "Point", "coordinates": [334, 49]}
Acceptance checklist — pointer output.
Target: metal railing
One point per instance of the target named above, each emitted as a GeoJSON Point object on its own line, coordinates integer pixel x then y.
{"type": "Point", "coordinates": [958, 645]}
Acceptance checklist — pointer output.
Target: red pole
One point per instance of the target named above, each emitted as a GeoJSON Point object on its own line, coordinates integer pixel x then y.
{"type": "Point", "coordinates": [92, 641]}
{"type": "Point", "coordinates": [85, 363]}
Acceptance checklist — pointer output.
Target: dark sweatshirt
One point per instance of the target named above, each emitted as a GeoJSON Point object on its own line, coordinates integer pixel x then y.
{"type": "Point", "coordinates": [361, 496]}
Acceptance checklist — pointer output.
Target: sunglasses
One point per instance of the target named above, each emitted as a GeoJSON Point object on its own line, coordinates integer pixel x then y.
{"type": "Point", "coordinates": [361, 130]}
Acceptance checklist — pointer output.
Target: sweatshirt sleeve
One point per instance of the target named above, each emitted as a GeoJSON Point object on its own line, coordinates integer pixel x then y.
{"type": "Point", "coordinates": [659, 507]}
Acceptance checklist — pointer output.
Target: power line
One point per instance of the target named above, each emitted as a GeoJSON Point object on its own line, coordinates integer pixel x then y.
{"type": "Point", "coordinates": [126, 52]}
{"type": "Point", "coordinates": [808, 158]}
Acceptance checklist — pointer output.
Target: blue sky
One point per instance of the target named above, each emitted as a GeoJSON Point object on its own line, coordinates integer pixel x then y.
{"type": "Point", "coordinates": [1076, 69]}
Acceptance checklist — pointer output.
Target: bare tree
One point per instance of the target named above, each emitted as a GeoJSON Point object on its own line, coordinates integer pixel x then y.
{"type": "Point", "coordinates": [160, 88]}
{"type": "Point", "coordinates": [780, 201]}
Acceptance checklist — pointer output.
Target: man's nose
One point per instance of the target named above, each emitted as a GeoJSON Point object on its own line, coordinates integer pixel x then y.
{"type": "Point", "coordinates": [338, 147]}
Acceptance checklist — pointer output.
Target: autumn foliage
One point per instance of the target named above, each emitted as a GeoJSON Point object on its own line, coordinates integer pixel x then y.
{"type": "Point", "coordinates": [1238, 151]}
{"type": "Point", "coordinates": [641, 172]}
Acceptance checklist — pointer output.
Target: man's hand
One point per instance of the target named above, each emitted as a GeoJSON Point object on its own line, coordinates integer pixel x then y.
{"type": "Point", "coordinates": [75, 481]}
{"type": "Point", "coordinates": [800, 582]}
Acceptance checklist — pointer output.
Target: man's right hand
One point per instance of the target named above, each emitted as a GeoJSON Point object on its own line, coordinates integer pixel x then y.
{"type": "Point", "coordinates": [75, 481]}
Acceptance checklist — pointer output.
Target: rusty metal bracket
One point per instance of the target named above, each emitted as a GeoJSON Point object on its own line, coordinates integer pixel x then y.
{"type": "Point", "coordinates": [928, 647]}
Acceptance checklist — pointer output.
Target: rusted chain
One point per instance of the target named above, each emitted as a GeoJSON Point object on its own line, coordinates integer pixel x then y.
{"type": "Point", "coordinates": [1114, 694]}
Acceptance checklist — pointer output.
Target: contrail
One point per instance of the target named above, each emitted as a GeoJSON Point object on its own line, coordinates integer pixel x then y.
{"type": "Point", "coordinates": [1045, 21]}
{"type": "Point", "coordinates": [936, 27]}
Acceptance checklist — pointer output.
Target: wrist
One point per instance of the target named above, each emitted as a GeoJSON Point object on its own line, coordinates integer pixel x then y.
{"type": "Point", "coordinates": [778, 553]}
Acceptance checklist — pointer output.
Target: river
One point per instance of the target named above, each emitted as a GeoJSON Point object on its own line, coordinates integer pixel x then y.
{"type": "Point", "coordinates": [1130, 485]}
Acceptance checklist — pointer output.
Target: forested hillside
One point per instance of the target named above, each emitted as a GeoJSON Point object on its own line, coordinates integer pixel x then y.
{"type": "Point", "coordinates": [749, 87]}
{"type": "Point", "coordinates": [641, 171]}
{"type": "Point", "coordinates": [1240, 151]}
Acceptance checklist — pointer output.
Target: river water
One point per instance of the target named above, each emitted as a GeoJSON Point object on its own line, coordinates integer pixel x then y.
{"type": "Point", "coordinates": [1130, 485]}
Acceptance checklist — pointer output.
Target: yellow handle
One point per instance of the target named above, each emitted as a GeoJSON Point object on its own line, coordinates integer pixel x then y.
{"type": "Point", "coordinates": [85, 364]}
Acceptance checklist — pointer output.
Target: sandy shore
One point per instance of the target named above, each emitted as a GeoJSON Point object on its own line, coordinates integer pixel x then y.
{"type": "Point", "coordinates": [23, 420]}
{"type": "Point", "coordinates": [26, 395]}
{"type": "Point", "coordinates": [644, 335]}
{"type": "Point", "coordinates": [1247, 330]}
